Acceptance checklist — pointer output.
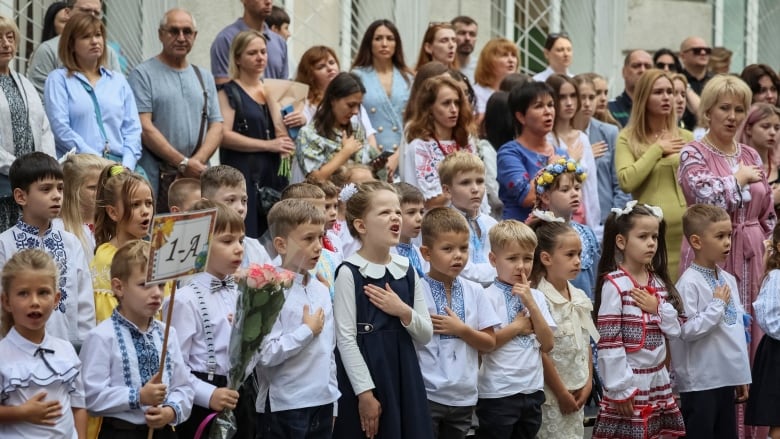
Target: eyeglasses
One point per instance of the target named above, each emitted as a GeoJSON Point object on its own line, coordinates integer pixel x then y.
{"type": "Point", "coordinates": [700, 50]}
{"type": "Point", "coordinates": [188, 32]}
{"type": "Point", "coordinates": [97, 13]}
{"type": "Point", "coordinates": [663, 66]}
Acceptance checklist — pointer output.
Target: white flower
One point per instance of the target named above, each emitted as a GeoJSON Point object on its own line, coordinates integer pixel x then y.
{"type": "Point", "coordinates": [347, 192]}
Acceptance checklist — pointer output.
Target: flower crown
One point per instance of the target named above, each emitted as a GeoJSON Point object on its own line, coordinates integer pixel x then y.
{"type": "Point", "coordinates": [546, 176]}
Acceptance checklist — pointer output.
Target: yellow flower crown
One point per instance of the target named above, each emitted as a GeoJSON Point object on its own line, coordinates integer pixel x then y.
{"type": "Point", "coordinates": [547, 175]}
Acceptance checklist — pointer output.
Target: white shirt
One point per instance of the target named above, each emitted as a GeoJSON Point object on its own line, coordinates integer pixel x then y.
{"type": "Point", "coordinates": [191, 330]}
{"type": "Point", "coordinates": [345, 313]}
{"type": "Point", "coordinates": [112, 365]}
{"type": "Point", "coordinates": [515, 367]}
{"type": "Point", "coordinates": [23, 374]}
{"type": "Point", "coordinates": [766, 306]}
{"type": "Point", "coordinates": [448, 364]}
{"type": "Point", "coordinates": [58, 224]}
{"type": "Point", "coordinates": [478, 268]}
{"type": "Point", "coordinates": [254, 253]}
{"type": "Point", "coordinates": [293, 361]}
{"type": "Point", "coordinates": [349, 244]}
{"type": "Point", "coordinates": [712, 350]}
{"type": "Point", "coordinates": [74, 316]}
{"type": "Point", "coordinates": [483, 93]}
{"type": "Point", "coordinates": [469, 68]}
{"type": "Point", "coordinates": [546, 73]}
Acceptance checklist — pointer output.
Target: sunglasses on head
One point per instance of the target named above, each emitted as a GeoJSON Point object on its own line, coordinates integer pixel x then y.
{"type": "Point", "coordinates": [700, 50]}
{"type": "Point", "coordinates": [557, 35]}
{"type": "Point", "coordinates": [663, 66]}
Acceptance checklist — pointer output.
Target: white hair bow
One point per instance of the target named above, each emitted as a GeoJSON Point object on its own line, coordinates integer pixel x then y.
{"type": "Point", "coordinates": [655, 210]}
{"type": "Point", "coordinates": [347, 192]}
{"type": "Point", "coordinates": [547, 216]}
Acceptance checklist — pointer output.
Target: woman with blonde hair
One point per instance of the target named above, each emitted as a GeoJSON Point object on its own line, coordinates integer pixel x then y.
{"type": "Point", "coordinates": [648, 154]}
{"type": "Point", "coordinates": [438, 44]}
{"type": "Point", "coordinates": [497, 60]}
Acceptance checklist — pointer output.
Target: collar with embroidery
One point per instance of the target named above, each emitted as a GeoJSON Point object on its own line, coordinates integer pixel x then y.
{"type": "Point", "coordinates": [398, 266]}
{"type": "Point", "coordinates": [122, 320]}
{"type": "Point", "coordinates": [27, 228]}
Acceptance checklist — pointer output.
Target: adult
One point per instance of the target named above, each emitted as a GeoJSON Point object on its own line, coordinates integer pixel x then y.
{"type": "Point", "coordinates": [695, 56]}
{"type": "Point", "coordinates": [763, 82]}
{"type": "Point", "coordinates": [91, 108]}
{"type": "Point", "coordinates": [466, 29]}
{"type": "Point", "coordinates": [254, 18]}
{"type": "Point", "coordinates": [634, 65]}
{"type": "Point", "coordinates": [24, 127]}
{"type": "Point", "coordinates": [558, 53]}
{"type": "Point", "coordinates": [54, 20]}
{"type": "Point", "coordinates": [46, 57]}
{"type": "Point", "coordinates": [380, 65]}
{"type": "Point", "coordinates": [720, 60]}
{"type": "Point", "coordinates": [519, 160]}
{"type": "Point", "coordinates": [601, 109]}
{"type": "Point", "coordinates": [497, 60]}
{"type": "Point", "coordinates": [681, 90]}
{"type": "Point", "coordinates": [178, 107]}
{"type": "Point", "coordinates": [602, 137]}
{"type": "Point", "coordinates": [666, 60]}
{"type": "Point", "coordinates": [647, 156]}
{"type": "Point", "coordinates": [254, 138]}
{"type": "Point", "coordinates": [429, 70]}
{"type": "Point", "coordinates": [438, 44]}
{"type": "Point", "coordinates": [761, 131]}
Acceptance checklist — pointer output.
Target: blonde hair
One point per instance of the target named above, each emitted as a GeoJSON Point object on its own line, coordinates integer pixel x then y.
{"type": "Point", "coordinates": [442, 220]}
{"type": "Point", "coordinates": [511, 232]}
{"type": "Point", "coordinates": [24, 261]}
{"type": "Point", "coordinates": [116, 185]}
{"type": "Point", "coordinates": [485, 72]}
{"type": "Point", "coordinates": [716, 88]}
{"type": "Point", "coordinates": [228, 220]}
{"type": "Point", "coordinates": [75, 170]}
{"type": "Point", "coordinates": [286, 215]}
{"type": "Point", "coordinates": [237, 48]}
{"type": "Point", "coordinates": [359, 203]}
{"type": "Point", "coordinates": [303, 190]}
{"type": "Point", "coordinates": [180, 189]}
{"type": "Point", "coordinates": [638, 127]}
{"type": "Point", "coordinates": [457, 162]}
{"type": "Point", "coordinates": [132, 255]}
{"type": "Point", "coordinates": [6, 24]}
{"type": "Point", "coordinates": [79, 25]}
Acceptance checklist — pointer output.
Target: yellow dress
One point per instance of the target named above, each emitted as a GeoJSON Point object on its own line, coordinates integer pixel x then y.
{"type": "Point", "coordinates": [652, 179]}
{"type": "Point", "coordinates": [105, 302]}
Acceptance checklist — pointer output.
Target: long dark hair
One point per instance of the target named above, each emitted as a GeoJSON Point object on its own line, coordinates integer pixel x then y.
{"type": "Point", "coordinates": [343, 85]}
{"type": "Point", "coordinates": [622, 225]}
{"type": "Point", "coordinates": [365, 57]}
{"type": "Point", "coordinates": [49, 31]}
{"type": "Point", "coordinates": [547, 236]}
{"type": "Point", "coordinates": [500, 129]}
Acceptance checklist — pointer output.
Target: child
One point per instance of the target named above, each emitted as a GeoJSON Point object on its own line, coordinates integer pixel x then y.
{"type": "Point", "coordinates": [568, 369]}
{"type": "Point", "coordinates": [412, 209]}
{"type": "Point", "coordinates": [279, 21]}
{"type": "Point", "coordinates": [638, 307]}
{"type": "Point", "coordinates": [510, 378]}
{"type": "Point", "coordinates": [82, 172]}
{"type": "Point", "coordinates": [202, 313]}
{"type": "Point", "coordinates": [329, 260]}
{"type": "Point", "coordinates": [123, 212]}
{"type": "Point", "coordinates": [226, 184]}
{"type": "Point", "coordinates": [121, 358]}
{"type": "Point", "coordinates": [380, 312]}
{"type": "Point", "coordinates": [330, 240]}
{"type": "Point", "coordinates": [462, 176]}
{"type": "Point", "coordinates": [463, 321]}
{"type": "Point", "coordinates": [710, 359]}
{"type": "Point", "coordinates": [296, 394]}
{"type": "Point", "coordinates": [764, 402]}
{"type": "Point", "coordinates": [36, 179]}
{"type": "Point", "coordinates": [42, 391]}
{"type": "Point", "coordinates": [356, 174]}
{"type": "Point", "coordinates": [559, 190]}
{"type": "Point", "coordinates": [182, 194]}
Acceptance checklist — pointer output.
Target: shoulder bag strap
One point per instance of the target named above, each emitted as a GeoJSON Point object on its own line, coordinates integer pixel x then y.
{"type": "Point", "coordinates": [98, 115]}
{"type": "Point", "coordinates": [204, 112]}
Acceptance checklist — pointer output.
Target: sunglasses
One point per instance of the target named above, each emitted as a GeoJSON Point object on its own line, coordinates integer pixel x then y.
{"type": "Point", "coordinates": [700, 50]}
{"type": "Point", "coordinates": [663, 66]}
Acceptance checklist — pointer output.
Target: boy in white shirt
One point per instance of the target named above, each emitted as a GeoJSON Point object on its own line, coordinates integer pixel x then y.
{"type": "Point", "coordinates": [296, 393]}
{"type": "Point", "coordinates": [463, 322]}
{"type": "Point", "coordinates": [412, 210]}
{"type": "Point", "coordinates": [511, 378]}
{"type": "Point", "coordinates": [462, 176]}
{"type": "Point", "coordinates": [331, 240]}
{"type": "Point", "coordinates": [710, 359]}
{"type": "Point", "coordinates": [227, 185]}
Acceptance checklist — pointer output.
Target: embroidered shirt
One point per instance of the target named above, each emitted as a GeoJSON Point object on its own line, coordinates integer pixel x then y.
{"type": "Point", "coordinates": [766, 306]}
{"type": "Point", "coordinates": [411, 252]}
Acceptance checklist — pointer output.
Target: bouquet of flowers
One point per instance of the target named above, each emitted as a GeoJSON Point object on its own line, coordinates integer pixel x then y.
{"type": "Point", "coordinates": [261, 296]}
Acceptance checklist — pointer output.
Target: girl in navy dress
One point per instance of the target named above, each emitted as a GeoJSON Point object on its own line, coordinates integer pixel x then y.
{"type": "Point", "coordinates": [380, 310]}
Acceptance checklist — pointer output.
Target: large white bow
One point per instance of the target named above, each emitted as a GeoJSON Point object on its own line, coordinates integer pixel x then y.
{"type": "Point", "coordinates": [657, 211]}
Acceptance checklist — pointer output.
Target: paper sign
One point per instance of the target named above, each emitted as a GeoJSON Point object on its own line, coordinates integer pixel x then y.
{"type": "Point", "coordinates": [180, 244]}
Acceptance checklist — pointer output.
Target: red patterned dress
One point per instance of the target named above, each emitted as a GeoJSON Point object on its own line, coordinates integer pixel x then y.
{"type": "Point", "coordinates": [632, 352]}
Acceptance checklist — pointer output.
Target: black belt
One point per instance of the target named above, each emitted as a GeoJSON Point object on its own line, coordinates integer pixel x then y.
{"type": "Point", "coordinates": [216, 380]}
{"type": "Point", "coordinates": [120, 424]}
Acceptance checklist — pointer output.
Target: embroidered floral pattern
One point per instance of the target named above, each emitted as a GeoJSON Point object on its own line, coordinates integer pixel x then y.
{"type": "Point", "coordinates": [27, 236]}
{"type": "Point", "coordinates": [513, 306]}
{"type": "Point", "coordinates": [407, 250]}
{"type": "Point", "coordinates": [730, 313]}
{"type": "Point", "coordinates": [440, 299]}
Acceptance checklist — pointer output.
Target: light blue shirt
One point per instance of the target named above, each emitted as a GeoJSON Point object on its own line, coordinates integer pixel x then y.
{"type": "Point", "coordinates": [385, 112]}
{"type": "Point", "coordinates": [766, 306]}
{"type": "Point", "coordinates": [73, 118]}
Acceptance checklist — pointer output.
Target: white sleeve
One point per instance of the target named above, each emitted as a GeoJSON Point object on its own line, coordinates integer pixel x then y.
{"type": "Point", "coordinates": [702, 311]}
{"type": "Point", "coordinates": [279, 346]}
{"type": "Point", "coordinates": [102, 397]}
{"type": "Point", "coordinates": [613, 361]}
{"type": "Point", "coordinates": [766, 306]}
{"type": "Point", "coordinates": [181, 394]}
{"type": "Point", "coordinates": [421, 327]}
{"type": "Point", "coordinates": [86, 295]}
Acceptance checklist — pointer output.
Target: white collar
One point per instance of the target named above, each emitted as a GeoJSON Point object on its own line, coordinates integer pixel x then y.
{"type": "Point", "coordinates": [398, 266]}
{"type": "Point", "coordinates": [26, 345]}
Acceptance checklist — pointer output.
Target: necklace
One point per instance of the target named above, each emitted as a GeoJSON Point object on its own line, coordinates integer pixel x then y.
{"type": "Point", "coordinates": [732, 158]}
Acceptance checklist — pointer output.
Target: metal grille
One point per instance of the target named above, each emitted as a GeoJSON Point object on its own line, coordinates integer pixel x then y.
{"type": "Point", "coordinates": [28, 15]}
{"type": "Point", "coordinates": [769, 33]}
{"type": "Point", "coordinates": [527, 22]}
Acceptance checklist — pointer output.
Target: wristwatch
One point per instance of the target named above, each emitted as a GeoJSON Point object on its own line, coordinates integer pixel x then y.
{"type": "Point", "coordinates": [183, 165]}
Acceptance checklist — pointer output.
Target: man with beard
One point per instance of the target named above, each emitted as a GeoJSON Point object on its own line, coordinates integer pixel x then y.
{"type": "Point", "coordinates": [466, 37]}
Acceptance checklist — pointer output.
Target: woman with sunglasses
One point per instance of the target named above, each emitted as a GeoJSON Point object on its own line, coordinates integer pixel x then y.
{"type": "Point", "coordinates": [558, 53]}
{"type": "Point", "coordinates": [666, 60]}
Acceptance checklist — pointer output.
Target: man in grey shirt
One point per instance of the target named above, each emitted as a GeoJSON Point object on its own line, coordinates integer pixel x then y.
{"type": "Point", "coordinates": [45, 58]}
{"type": "Point", "coordinates": [170, 101]}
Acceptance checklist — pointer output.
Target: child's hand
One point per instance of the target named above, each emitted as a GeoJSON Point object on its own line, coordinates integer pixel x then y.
{"type": "Point", "coordinates": [645, 301]}
{"type": "Point", "coordinates": [153, 392]}
{"type": "Point", "coordinates": [582, 394]}
{"type": "Point", "coordinates": [387, 300]}
{"type": "Point", "coordinates": [159, 417]}
{"type": "Point", "coordinates": [523, 324]}
{"type": "Point", "coordinates": [315, 321]}
{"type": "Point", "coordinates": [523, 291]}
{"type": "Point", "coordinates": [449, 324]}
{"type": "Point", "coordinates": [370, 410]}
{"type": "Point", "coordinates": [722, 292]}
{"type": "Point", "coordinates": [742, 393]}
{"type": "Point", "coordinates": [38, 411]}
{"type": "Point", "coordinates": [223, 398]}
{"type": "Point", "coordinates": [625, 408]}
{"type": "Point", "coordinates": [566, 403]}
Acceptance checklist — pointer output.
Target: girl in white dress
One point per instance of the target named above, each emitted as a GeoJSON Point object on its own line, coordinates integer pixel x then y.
{"type": "Point", "coordinates": [41, 391]}
{"type": "Point", "coordinates": [568, 369]}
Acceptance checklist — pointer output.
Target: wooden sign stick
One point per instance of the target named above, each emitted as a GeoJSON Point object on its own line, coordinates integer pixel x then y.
{"type": "Point", "coordinates": [164, 352]}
